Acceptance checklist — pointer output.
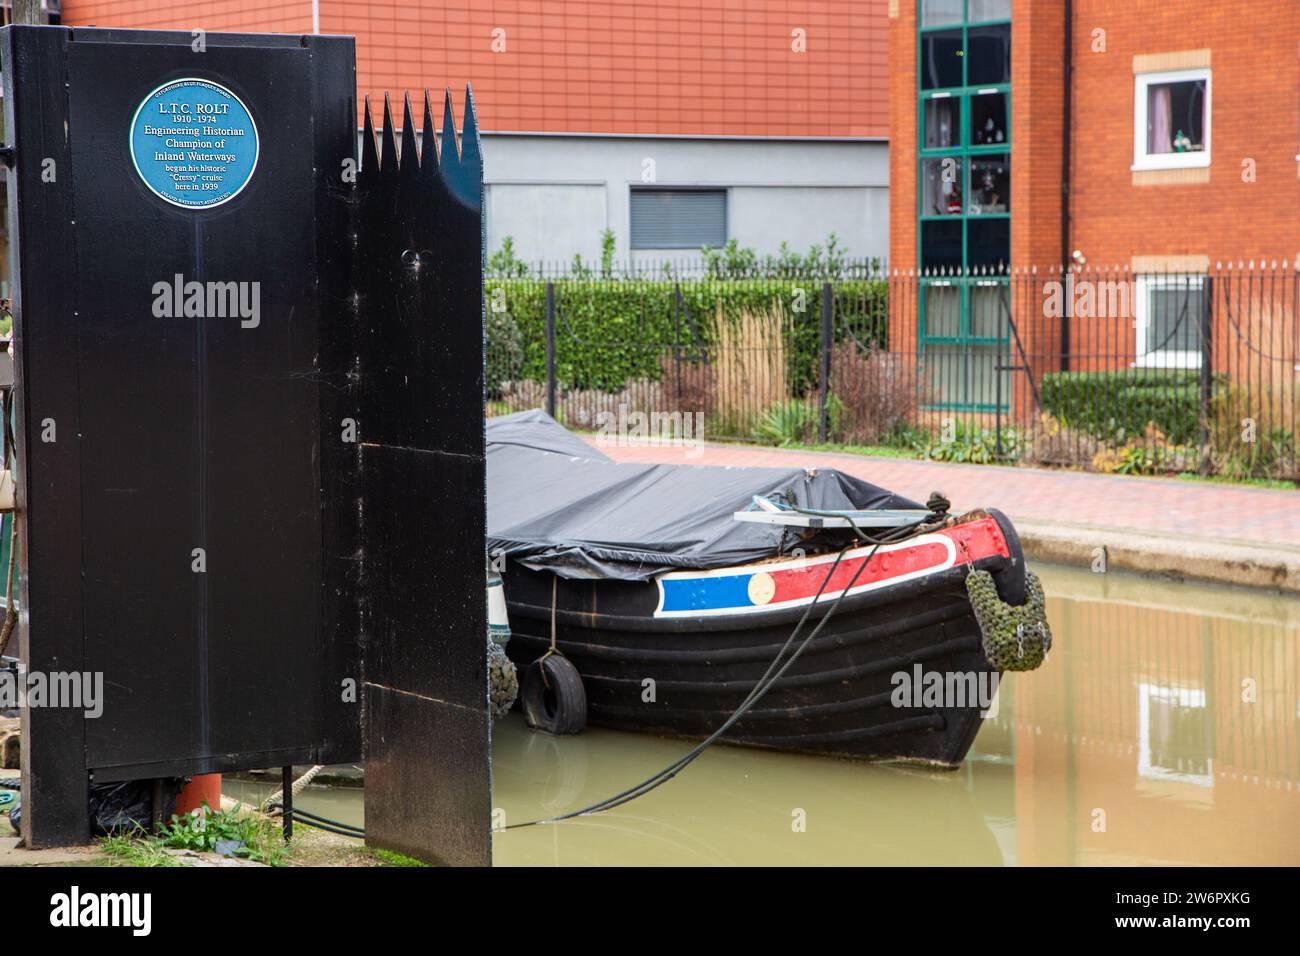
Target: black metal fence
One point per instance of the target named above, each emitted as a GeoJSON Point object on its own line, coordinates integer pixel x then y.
{"type": "Point", "coordinates": [1114, 370]}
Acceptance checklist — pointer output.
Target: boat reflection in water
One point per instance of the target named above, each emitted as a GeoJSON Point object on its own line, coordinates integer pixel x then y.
{"type": "Point", "coordinates": [1166, 730]}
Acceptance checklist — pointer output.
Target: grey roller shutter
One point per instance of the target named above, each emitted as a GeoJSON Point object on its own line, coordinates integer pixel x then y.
{"type": "Point", "coordinates": [678, 218]}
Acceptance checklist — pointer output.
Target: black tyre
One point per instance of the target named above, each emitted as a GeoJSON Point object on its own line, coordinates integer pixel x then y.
{"type": "Point", "coordinates": [553, 697]}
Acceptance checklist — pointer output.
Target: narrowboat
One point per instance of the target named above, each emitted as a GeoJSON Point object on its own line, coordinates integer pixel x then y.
{"type": "Point", "coordinates": [657, 597]}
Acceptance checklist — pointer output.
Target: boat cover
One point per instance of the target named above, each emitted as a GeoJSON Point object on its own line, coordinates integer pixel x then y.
{"type": "Point", "coordinates": [558, 504]}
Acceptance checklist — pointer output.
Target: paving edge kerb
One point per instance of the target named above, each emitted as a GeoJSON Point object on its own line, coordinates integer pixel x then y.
{"type": "Point", "coordinates": [1204, 559]}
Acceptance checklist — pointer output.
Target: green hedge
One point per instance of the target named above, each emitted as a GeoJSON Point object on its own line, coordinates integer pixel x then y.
{"type": "Point", "coordinates": [1115, 406]}
{"type": "Point", "coordinates": [612, 331]}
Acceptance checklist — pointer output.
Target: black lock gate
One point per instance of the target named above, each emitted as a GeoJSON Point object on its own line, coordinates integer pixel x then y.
{"type": "Point", "coordinates": [249, 397]}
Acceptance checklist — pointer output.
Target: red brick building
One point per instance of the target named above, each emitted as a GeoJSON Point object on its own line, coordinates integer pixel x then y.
{"type": "Point", "coordinates": [1157, 139]}
{"type": "Point", "coordinates": [673, 123]}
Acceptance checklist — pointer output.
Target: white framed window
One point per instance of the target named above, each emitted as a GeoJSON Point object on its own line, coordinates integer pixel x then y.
{"type": "Point", "coordinates": [1168, 313]}
{"type": "Point", "coordinates": [1174, 735]}
{"type": "Point", "coordinates": [1171, 119]}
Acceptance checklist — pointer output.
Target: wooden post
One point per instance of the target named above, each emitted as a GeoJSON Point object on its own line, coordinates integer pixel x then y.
{"type": "Point", "coordinates": [29, 12]}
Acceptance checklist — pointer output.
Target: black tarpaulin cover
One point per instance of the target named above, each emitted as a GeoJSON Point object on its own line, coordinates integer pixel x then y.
{"type": "Point", "coordinates": [556, 503]}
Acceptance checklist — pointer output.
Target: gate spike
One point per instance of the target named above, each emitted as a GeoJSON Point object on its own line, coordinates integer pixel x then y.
{"type": "Point", "coordinates": [410, 161]}
{"type": "Point", "coordinates": [450, 155]}
{"type": "Point", "coordinates": [429, 153]}
{"type": "Point", "coordinates": [470, 157]}
{"type": "Point", "coordinates": [369, 155]}
{"type": "Point", "coordinates": [388, 144]}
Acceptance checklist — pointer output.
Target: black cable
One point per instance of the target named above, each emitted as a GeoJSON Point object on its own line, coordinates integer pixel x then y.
{"type": "Point", "coordinates": [354, 834]}
{"type": "Point", "coordinates": [323, 823]}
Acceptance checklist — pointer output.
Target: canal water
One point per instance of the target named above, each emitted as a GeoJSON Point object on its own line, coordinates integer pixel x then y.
{"type": "Point", "coordinates": [1164, 729]}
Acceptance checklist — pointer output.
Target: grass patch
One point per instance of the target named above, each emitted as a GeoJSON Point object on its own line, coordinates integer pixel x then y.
{"type": "Point", "coordinates": [1278, 484]}
{"type": "Point", "coordinates": [136, 847]}
{"type": "Point", "coordinates": [389, 858]}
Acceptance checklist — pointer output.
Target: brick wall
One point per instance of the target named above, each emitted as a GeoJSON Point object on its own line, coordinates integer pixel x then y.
{"type": "Point", "coordinates": [659, 67]}
{"type": "Point", "coordinates": [1255, 63]}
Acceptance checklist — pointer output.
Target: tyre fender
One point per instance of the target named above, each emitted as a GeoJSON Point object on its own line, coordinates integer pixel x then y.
{"type": "Point", "coordinates": [553, 697]}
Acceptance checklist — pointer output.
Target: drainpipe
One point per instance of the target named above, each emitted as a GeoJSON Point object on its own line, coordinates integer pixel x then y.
{"type": "Point", "coordinates": [1066, 110]}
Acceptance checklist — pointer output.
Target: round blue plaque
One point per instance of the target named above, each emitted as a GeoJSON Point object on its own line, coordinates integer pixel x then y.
{"type": "Point", "coordinates": [194, 143]}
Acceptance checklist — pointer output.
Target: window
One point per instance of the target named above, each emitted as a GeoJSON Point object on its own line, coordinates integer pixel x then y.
{"type": "Point", "coordinates": [981, 10]}
{"type": "Point", "coordinates": [935, 13]}
{"type": "Point", "coordinates": [941, 59]}
{"type": "Point", "coordinates": [1175, 736]}
{"type": "Point", "coordinates": [1171, 121]}
{"type": "Point", "coordinates": [964, 199]}
{"type": "Point", "coordinates": [1169, 312]}
{"type": "Point", "coordinates": [678, 218]}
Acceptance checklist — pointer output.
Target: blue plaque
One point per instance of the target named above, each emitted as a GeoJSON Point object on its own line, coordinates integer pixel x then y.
{"type": "Point", "coordinates": [194, 143]}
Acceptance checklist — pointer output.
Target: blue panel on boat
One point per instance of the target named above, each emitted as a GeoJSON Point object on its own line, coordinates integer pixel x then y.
{"type": "Point", "coordinates": [698, 594]}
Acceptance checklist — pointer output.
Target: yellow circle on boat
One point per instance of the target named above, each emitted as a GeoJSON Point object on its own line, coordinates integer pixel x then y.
{"type": "Point", "coordinates": [761, 588]}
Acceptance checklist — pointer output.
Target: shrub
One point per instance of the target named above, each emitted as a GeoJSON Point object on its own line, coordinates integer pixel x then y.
{"type": "Point", "coordinates": [1250, 431]}
{"type": "Point", "coordinates": [612, 331]}
{"type": "Point", "coordinates": [970, 444]}
{"type": "Point", "coordinates": [749, 366]}
{"type": "Point", "coordinates": [1150, 453]}
{"type": "Point", "coordinates": [878, 391]}
{"type": "Point", "coordinates": [787, 423]}
{"type": "Point", "coordinates": [505, 351]}
{"type": "Point", "coordinates": [1052, 443]}
{"type": "Point", "coordinates": [689, 385]}
{"type": "Point", "coordinates": [1116, 406]}
{"type": "Point", "coordinates": [795, 422]}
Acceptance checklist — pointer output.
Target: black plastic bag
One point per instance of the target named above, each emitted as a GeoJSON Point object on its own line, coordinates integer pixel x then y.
{"type": "Point", "coordinates": [118, 805]}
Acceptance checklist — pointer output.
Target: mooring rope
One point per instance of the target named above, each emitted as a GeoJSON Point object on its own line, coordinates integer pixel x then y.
{"type": "Point", "coordinates": [295, 788]}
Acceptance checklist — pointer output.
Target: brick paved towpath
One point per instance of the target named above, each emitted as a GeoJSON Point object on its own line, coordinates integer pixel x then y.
{"type": "Point", "coordinates": [1176, 512]}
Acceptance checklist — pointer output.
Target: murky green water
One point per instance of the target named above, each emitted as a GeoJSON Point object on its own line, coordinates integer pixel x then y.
{"type": "Point", "coordinates": [1165, 728]}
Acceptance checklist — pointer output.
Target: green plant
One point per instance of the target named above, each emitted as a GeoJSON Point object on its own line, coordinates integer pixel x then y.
{"type": "Point", "coordinates": [607, 253]}
{"type": "Point", "coordinates": [788, 423]}
{"type": "Point", "coordinates": [1115, 406]}
{"type": "Point", "coordinates": [730, 261]}
{"type": "Point", "coordinates": [578, 269]}
{"type": "Point", "coordinates": [505, 263]}
{"type": "Point", "coordinates": [258, 836]}
{"type": "Point", "coordinates": [505, 351]}
{"type": "Point", "coordinates": [389, 858]}
{"type": "Point", "coordinates": [136, 847]}
{"type": "Point", "coordinates": [797, 421]}
{"type": "Point", "coordinates": [733, 260]}
{"type": "Point", "coordinates": [1250, 430]}
{"type": "Point", "coordinates": [613, 331]}
{"type": "Point", "coordinates": [966, 443]}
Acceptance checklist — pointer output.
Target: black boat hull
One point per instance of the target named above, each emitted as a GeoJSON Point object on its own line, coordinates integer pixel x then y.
{"type": "Point", "coordinates": [854, 691]}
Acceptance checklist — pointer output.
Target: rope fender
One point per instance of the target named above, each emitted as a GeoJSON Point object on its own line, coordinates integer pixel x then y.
{"type": "Point", "coordinates": [1015, 638]}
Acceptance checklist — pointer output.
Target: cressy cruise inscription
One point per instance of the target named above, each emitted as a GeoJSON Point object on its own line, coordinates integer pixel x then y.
{"type": "Point", "coordinates": [194, 143]}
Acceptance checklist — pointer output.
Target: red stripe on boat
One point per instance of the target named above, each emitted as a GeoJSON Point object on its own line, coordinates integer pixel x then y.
{"type": "Point", "coordinates": [804, 582]}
